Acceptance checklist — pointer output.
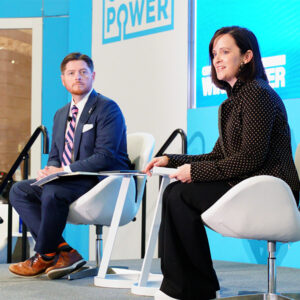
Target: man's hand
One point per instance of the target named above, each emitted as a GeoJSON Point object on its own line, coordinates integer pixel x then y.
{"type": "Point", "coordinates": [161, 161]}
{"type": "Point", "coordinates": [183, 173]}
{"type": "Point", "coordinates": [47, 171]}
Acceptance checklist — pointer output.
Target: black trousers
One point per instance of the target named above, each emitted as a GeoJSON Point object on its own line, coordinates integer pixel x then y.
{"type": "Point", "coordinates": [45, 210]}
{"type": "Point", "coordinates": [184, 250]}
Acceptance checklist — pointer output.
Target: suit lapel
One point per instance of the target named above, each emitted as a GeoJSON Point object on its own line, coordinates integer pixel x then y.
{"type": "Point", "coordinates": [86, 113]}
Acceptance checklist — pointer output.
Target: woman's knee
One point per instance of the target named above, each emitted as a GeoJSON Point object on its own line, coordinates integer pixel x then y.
{"type": "Point", "coordinates": [173, 193]}
{"type": "Point", "coordinates": [167, 192]}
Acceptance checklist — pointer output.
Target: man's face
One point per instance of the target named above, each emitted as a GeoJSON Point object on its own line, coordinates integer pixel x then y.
{"type": "Point", "coordinates": [77, 77]}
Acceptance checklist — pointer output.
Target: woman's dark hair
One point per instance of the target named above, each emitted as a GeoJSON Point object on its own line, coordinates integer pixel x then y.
{"type": "Point", "coordinates": [76, 56]}
{"type": "Point", "coordinates": [245, 40]}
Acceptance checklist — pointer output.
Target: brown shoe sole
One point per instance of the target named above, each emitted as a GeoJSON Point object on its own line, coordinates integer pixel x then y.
{"type": "Point", "coordinates": [61, 272]}
{"type": "Point", "coordinates": [27, 276]}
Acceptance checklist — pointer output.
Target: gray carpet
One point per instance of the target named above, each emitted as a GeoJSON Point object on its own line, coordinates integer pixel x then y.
{"type": "Point", "coordinates": [235, 279]}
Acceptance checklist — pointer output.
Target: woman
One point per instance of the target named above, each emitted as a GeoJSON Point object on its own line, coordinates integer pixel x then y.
{"type": "Point", "coordinates": [254, 139]}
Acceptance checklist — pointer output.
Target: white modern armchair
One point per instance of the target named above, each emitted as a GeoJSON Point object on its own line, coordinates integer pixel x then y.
{"type": "Point", "coordinates": [260, 208]}
{"type": "Point", "coordinates": [113, 202]}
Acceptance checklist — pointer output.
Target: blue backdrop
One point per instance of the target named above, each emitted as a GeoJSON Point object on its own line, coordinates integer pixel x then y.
{"type": "Point", "coordinates": [276, 25]}
{"type": "Point", "coordinates": [67, 27]}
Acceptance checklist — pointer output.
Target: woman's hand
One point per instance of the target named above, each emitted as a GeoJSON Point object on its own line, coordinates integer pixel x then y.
{"type": "Point", "coordinates": [183, 174]}
{"type": "Point", "coordinates": [160, 161]}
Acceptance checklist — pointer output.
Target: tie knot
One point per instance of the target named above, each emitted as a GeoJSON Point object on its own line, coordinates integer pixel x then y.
{"type": "Point", "coordinates": [74, 110]}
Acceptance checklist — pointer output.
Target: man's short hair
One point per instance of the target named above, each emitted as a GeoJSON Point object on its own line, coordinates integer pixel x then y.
{"type": "Point", "coordinates": [76, 56]}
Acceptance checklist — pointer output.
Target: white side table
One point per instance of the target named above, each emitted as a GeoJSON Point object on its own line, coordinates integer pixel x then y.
{"type": "Point", "coordinates": [149, 283]}
{"type": "Point", "coordinates": [122, 278]}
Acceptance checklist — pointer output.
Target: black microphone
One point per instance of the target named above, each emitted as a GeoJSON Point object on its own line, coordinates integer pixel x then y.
{"type": "Point", "coordinates": [69, 118]}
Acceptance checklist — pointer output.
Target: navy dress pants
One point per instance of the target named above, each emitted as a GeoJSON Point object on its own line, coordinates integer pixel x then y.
{"type": "Point", "coordinates": [45, 209]}
{"type": "Point", "coordinates": [184, 250]}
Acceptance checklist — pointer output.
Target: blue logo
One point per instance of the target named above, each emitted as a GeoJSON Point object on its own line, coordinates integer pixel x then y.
{"type": "Point", "coordinates": [275, 67]}
{"type": "Point", "coordinates": [127, 19]}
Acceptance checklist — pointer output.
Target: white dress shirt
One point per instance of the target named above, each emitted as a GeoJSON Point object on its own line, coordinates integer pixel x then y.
{"type": "Point", "coordinates": [80, 105]}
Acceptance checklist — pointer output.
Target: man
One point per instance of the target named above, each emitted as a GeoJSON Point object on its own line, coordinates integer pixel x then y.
{"type": "Point", "coordinates": [89, 134]}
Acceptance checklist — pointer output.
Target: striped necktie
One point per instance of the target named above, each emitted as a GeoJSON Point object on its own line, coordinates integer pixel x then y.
{"type": "Point", "coordinates": [69, 139]}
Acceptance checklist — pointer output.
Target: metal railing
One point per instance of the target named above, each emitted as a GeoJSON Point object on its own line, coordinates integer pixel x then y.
{"type": "Point", "coordinates": [170, 139]}
{"type": "Point", "coordinates": [23, 157]}
{"type": "Point", "coordinates": [160, 152]}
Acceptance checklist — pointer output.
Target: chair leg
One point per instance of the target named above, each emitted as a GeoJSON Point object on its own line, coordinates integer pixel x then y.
{"type": "Point", "coordinates": [91, 271]}
{"type": "Point", "coordinates": [99, 244]}
{"type": "Point", "coordinates": [258, 297]}
{"type": "Point", "coordinates": [271, 268]}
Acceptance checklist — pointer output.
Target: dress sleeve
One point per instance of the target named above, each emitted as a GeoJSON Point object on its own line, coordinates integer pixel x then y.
{"type": "Point", "coordinates": [258, 115]}
{"type": "Point", "coordinates": [176, 160]}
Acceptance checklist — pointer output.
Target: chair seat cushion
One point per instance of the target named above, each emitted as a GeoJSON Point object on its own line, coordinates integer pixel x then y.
{"type": "Point", "coordinates": [260, 207]}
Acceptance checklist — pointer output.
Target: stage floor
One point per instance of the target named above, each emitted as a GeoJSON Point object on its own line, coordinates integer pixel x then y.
{"type": "Point", "coordinates": [235, 279]}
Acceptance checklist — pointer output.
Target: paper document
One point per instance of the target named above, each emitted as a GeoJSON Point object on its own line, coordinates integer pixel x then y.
{"type": "Point", "coordinates": [163, 171]}
{"type": "Point", "coordinates": [79, 173]}
{"type": "Point", "coordinates": [61, 174]}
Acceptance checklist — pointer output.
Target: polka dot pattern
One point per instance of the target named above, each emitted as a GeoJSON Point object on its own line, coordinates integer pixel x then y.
{"type": "Point", "coordinates": [254, 139]}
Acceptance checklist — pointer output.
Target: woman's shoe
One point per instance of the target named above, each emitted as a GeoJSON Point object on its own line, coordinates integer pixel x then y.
{"type": "Point", "coordinates": [159, 295]}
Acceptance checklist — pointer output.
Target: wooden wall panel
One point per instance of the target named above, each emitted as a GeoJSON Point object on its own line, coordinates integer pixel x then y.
{"type": "Point", "coordinates": [15, 94]}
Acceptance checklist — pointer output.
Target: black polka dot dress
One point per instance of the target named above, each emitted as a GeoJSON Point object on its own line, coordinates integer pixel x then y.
{"type": "Point", "coordinates": [254, 139]}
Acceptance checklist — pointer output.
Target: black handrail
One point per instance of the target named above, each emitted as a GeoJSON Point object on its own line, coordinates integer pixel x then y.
{"type": "Point", "coordinates": [170, 140]}
{"type": "Point", "coordinates": [159, 153]}
{"type": "Point", "coordinates": [23, 156]}
{"type": "Point", "coordinates": [24, 153]}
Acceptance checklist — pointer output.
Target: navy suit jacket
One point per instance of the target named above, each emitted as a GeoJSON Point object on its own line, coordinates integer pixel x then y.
{"type": "Point", "coordinates": [100, 137]}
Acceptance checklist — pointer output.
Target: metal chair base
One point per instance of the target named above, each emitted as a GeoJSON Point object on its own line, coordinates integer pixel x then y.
{"type": "Point", "coordinates": [260, 297]}
{"type": "Point", "coordinates": [83, 273]}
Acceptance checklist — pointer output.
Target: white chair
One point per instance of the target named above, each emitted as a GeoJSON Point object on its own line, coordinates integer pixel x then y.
{"type": "Point", "coordinates": [252, 210]}
{"type": "Point", "coordinates": [113, 202]}
{"type": "Point", "coordinates": [260, 208]}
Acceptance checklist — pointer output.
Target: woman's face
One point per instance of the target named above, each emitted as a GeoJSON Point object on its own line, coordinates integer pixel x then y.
{"type": "Point", "coordinates": [227, 58]}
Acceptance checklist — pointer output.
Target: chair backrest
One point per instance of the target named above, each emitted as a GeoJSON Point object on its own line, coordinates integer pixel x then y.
{"type": "Point", "coordinates": [98, 204]}
{"type": "Point", "coordinates": [297, 160]}
{"type": "Point", "coordinates": [261, 208]}
{"type": "Point", "coordinates": [140, 146]}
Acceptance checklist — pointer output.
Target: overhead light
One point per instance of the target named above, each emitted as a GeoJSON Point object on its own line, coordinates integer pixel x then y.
{"type": "Point", "coordinates": [13, 61]}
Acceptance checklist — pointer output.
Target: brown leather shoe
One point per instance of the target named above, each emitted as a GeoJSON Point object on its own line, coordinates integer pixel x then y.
{"type": "Point", "coordinates": [31, 267]}
{"type": "Point", "coordinates": [67, 263]}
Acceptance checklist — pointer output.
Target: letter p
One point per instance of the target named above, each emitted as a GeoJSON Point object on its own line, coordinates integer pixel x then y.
{"type": "Point", "coordinates": [111, 16]}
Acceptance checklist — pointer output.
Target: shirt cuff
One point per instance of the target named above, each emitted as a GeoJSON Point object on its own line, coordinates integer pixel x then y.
{"type": "Point", "coordinates": [67, 169]}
